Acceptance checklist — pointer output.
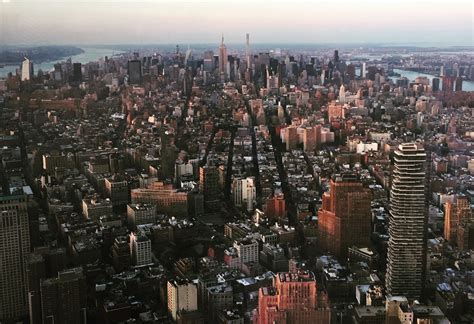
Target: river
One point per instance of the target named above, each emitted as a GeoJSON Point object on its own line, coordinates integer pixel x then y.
{"type": "Point", "coordinates": [90, 55]}
{"type": "Point", "coordinates": [411, 75]}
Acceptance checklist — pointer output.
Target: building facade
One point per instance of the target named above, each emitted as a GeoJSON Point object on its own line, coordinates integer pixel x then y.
{"type": "Point", "coordinates": [14, 249]}
{"type": "Point", "coordinates": [406, 258]}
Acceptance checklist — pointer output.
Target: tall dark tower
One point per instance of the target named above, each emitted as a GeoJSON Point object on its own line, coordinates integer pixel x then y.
{"type": "Point", "coordinates": [435, 84]}
{"type": "Point", "coordinates": [135, 71]}
{"type": "Point", "coordinates": [15, 238]}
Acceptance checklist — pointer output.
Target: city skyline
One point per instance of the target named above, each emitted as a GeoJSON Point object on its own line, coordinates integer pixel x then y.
{"type": "Point", "coordinates": [167, 22]}
{"type": "Point", "coordinates": [236, 162]}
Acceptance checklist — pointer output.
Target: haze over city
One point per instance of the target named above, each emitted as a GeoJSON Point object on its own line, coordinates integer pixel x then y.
{"type": "Point", "coordinates": [405, 22]}
{"type": "Point", "coordinates": [236, 162]}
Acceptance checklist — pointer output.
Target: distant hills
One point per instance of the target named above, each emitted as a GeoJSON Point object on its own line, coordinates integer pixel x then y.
{"type": "Point", "coordinates": [37, 54]}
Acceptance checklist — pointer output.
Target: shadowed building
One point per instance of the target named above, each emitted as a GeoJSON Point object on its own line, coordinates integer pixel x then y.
{"type": "Point", "coordinates": [345, 217]}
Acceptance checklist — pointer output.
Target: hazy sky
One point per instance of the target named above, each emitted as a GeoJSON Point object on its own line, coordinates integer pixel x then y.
{"type": "Point", "coordinates": [272, 21]}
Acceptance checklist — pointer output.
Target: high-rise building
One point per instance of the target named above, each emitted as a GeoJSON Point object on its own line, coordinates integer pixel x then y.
{"type": "Point", "coordinates": [275, 207]}
{"type": "Point", "coordinates": [450, 221]}
{"type": "Point", "coordinates": [223, 60]}
{"type": "Point", "coordinates": [63, 299]}
{"type": "Point", "coordinates": [363, 70]}
{"type": "Point", "coordinates": [244, 192]}
{"type": "Point", "coordinates": [140, 249]}
{"type": "Point", "coordinates": [135, 71]}
{"type": "Point", "coordinates": [248, 52]}
{"type": "Point", "coordinates": [342, 94]}
{"type": "Point", "coordinates": [293, 298]}
{"type": "Point", "coordinates": [121, 256]}
{"type": "Point", "coordinates": [406, 259]}
{"type": "Point", "coordinates": [448, 83]}
{"type": "Point", "coordinates": [36, 270]}
{"type": "Point", "coordinates": [14, 249]}
{"type": "Point", "coordinates": [138, 214]}
{"type": "Point", "coordinates": [435, 84]}
{"type": "Point", "coordinates": [458, 220]}
{"type": "Point", "coordinates": [182, 296]}
{"type": "Point", "coordinates": [458, 84]}
{"type": "Point", "coordinates": [291, 138]}
{"type": "Point", "coordinates": [309, 139]}
{"type": "Point", "coordinates": [77, 72]}
{"type": "Point", "coordinates": [27, 70]}
{"type": "Point", "coordinates": [116, 188]}
{"type": "Point", "coordinates": [345, 217]}
{"type": "Point", "coordinates": [209, 186]}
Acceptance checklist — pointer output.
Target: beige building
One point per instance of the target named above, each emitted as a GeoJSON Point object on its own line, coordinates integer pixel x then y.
{"type": "Point", "coordinates": [182, 295]}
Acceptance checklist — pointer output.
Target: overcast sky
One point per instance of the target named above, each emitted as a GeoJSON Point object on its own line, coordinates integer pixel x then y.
{"type": "Point", "coordinates": [272, 21]}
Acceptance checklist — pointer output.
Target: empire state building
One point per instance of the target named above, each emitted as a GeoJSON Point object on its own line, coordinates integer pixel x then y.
{"type": "Point", "coordinates": [223, 60]}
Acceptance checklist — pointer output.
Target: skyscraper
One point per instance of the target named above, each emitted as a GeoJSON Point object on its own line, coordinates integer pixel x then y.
{"type": "Point", "coordinates": [135, 71]}
{"type": "Point", "coordinates": [406, 259]}
{"type": "Point", "coordinates": [222, 59]}
{"type": "Point", "coordinates": [435, 84]}
{"type": "Point", "coordinates": [26, 70]}
{"type": "Point", "coordinates": [448, 83]}
{"type": "Point", "coordinates": [458, 84]}
{"type": "Point", "coordinates": [248, 52]}
{"type": "Point", "coordinates": [209, 186]}
{"type": "Point", "coordinates": [77, 72]}
{"type": "Point", "coordinates": [63, 299]}
{"type": "Point", "coordinates": [14, 249]}
{"type": "Point", "coordinates": [345, 217]}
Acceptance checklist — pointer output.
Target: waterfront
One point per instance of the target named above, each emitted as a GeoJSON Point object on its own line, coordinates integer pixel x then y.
{"type": "Point", "coordinates": [411, 75]}
{"type": "Point", "coordinates": [90, 55]}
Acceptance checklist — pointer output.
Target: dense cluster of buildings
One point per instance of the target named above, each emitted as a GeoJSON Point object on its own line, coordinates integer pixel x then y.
{"type": "Point", "coordinates": [238, 187]}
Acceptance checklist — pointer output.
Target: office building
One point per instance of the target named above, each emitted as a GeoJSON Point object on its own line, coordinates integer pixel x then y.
{"type": "Point", "coordinates": [275, 207]}
{"type": "Point", "coordinates": [15, 246]}
{"type": "Point", "coordinates": [182, 296]}
{"type": "Point", "coordinates": [458, 84]}
{"type": "Point", "coordinates": [345, 217]}
{"type": "Point", "coordinates": [309, 139]}
{"type": "Point", "coordinates": [223, 60]}
{"type": "Point", "coordinates": [435, 84]}
{"type": "Point", "coordinates": [293, 298]}
{"type": "Point", "coordinates": [167, 200]}
{"type": "Point", "coordinates": [139, 214]}
{"type": "Point", "coordinates": [244, 193]}
{"type": "Point", "coordinates": [63, 299]}
{"type": "Point", "coordinates": [135, 72]}
{"type": "Point", "coordinates": [117, 190]}
{"type": "Point", "coordinates": [140, 249]}
{"type": "Point", "coordinates": [121, 256]}
{"type": "Point", "coordinates": [209, 186]}
{"type": "Point", "coordinates": [27, 72]}
{"type": "Point", "coordinates": [406, 259]}
{"type": "Point", "coordinates": [291, 138]}
{"type": "Point", "coordinates": [448, 83]}
{"type": "Point", "coordinates": [77, 72]}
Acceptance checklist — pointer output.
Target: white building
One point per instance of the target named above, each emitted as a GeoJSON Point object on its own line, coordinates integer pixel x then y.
{"type": "Point", "coordinates": [244, 192]}
{"type": "Point", "coordinates": [140, 249]}
{"type": "Point", "coordinates": [26, 70]}
{"type": "Point", "coordinates": [247, 250]}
